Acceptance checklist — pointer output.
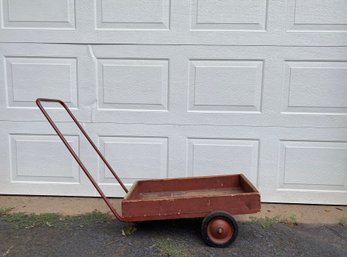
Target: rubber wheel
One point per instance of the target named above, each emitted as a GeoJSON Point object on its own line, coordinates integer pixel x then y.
{"type": "Point", "coordinates": [219, 229]}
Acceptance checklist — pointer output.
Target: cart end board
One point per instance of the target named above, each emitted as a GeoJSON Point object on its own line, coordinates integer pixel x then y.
{"type": "Point", "coordinates": [190, 198]}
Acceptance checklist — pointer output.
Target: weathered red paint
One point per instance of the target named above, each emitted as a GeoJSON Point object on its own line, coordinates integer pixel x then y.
{"type": "Point", "coordinates": [190, 198]}
{"type": "Point", "coordinates": [220, 231]}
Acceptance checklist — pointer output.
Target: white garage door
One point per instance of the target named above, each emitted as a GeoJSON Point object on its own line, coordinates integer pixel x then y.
{"type": "Point", "coordinates": [177, 88]}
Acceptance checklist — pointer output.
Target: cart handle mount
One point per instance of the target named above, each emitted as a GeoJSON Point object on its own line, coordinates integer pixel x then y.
{"type": "Point", "coordinates": [75, 156]}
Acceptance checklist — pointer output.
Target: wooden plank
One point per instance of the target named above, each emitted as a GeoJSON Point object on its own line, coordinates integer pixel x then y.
{"type": "Point", "coordinates": [190, 193]}
{"type": "Point", "coordinates": [195, 207]}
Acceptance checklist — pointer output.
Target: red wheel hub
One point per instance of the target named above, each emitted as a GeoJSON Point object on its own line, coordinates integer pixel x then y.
{"type": "Point", "coordinates": [220, 231]}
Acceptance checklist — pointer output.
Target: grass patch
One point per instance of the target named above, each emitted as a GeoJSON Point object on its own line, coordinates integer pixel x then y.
{"type": "Point", "coordinates": [268, 222]}
{"type": "Point", "coordinates": [94, 216]}
{"type": "Point", "coordinates": [129, 230]}
{"type": "Point", "coordinates": [293, 220]}
{"type": "Point", "coordinates": [5, 211]}
{"type": "Point", "coordinates": [170, 248]}
{"type": "Point", "coordinates": [23, 220]}
{"type": "Point", "coordinates": [343, 221]}
{"type": "Point", "coordinates": [265, 222]}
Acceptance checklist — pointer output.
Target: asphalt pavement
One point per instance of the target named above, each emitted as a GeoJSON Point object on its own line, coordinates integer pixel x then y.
{"type": "Point", "coordinates": [77, 237]}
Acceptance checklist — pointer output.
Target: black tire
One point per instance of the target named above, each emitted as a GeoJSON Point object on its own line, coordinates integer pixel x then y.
{"type": "Point", "coordinates": [219, 229]}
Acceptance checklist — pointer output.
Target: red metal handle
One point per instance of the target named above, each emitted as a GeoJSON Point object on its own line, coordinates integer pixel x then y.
{"type": "Point", "coordinates": [73, 153]}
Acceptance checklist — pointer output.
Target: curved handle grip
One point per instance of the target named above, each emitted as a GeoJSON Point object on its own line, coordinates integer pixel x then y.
{"type": "Point", "coordinates": [73, 153]}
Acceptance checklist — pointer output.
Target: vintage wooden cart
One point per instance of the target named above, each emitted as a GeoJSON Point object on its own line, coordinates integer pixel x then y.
{"type": "Point", "coordinates": [214, 198]}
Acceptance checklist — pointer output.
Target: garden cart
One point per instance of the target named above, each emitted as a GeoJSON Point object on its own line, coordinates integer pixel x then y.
{"type": "Point", "coordinates": [213, 198]}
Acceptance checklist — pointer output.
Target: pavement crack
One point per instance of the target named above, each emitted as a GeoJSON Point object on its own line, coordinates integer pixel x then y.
{"type": "Point", "coordinates": [8, 251]}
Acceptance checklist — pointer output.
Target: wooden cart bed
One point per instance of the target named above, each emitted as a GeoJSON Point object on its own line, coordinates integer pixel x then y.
{"type": "Point", "coordinates": [193, 197]}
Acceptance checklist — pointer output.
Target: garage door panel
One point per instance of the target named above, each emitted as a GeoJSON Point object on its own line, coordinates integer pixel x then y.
{"type": "Point", "coordinates": [208, 157]}
{"type": "Point", "coordinates": [30, 77]}
{"type": "Point", "coordinates": [257, 152]}
{"type": "Point", "coordinates": [22, 20]}
{"type": "Point", "coordinates": [302, 161]}
{"type": "Point", "coordinates": [313, 164]}
{"type": "Point", "coordinates": [51, 71]}
{"type": "Point", "coordinates": [310, 162]}
{"type": "Point", "coordinates": [139, 15]}
{"type": "Point", "coordinates": [233, 22]}
{"type": "Point", "coordinates": [179, 22]}
{"type": "Point", "coordinates": [225, 85]}
{"type": "Point", "coordinates": [133, 84]}
{"type": "Point", "coordinates": [312, 87]}
{"type": "Point", "coordinates": [308, 15]}
{"type": "Point", "coordinates": [315, 87]}
{"type": "Point", "coordinates": [174, 89]}
{"type": "Point", "coordinates": [39, 14]}
{"type": "Point", "coordinates": [135, 157]}
{"type": "Point", "coordinates": [27, 151]}
{"type": "Point", "coordinates": [134, 151]}
{"type": "Point", "coordinates": [138, 151]}
{"type": "Point", "coordinates": [36, 162]}
{"type": "Point", "coordinates": [190, 82]}
{"type": "Point", "coordinates": [228, 15]}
